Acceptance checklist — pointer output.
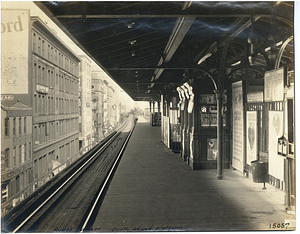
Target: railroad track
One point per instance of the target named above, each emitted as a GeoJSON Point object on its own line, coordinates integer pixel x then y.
{"type": "Point", "coordinates": [69, 202]}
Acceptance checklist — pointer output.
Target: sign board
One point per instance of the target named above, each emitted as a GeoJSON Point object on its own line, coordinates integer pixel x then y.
{"type": "Point", "coordinates": [274, 84]}
{"type": "Point", "coordinates": [212, 149]}
{"type": "Point", "coordinates": [166, 132]}
{"type": "Point", "coordinates": [251, 136]}
{"type": "Point", "coordinates": [238, 126]}
{"type": "Point", "coordinates": [276, 162]}
{"type": "Point", "coordinates": [211, 99]}
{"type": "Point", "coordinates": [14, 51]}
{"type": "Point", "coordinates": [255, 97]}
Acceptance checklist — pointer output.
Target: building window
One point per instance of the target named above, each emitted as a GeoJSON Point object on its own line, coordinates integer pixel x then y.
{"type": "Point", "coordinates": [35, 136]}
{"type": "Point", "coordinates": [52, 83]}
{"type": "Point", "coordinates": [39, 73]}
{"type": "Point", "coordinates": [48, 77]}
{"type": "Point", "coordinates": [14, 156]}
{"type": "Point", "coordinates": [49, 105]}
{"type": "Point", "coordinates": [17, 184]}
{"type": "Point", "coordinates": [35, 72]}
{"type": "Point", "coordinates": [35, 168]}
{"type": "Point", "coordinates": [39, 46]}
{"type": "Point", "coordinates": [29, 150]}
{"type": "Point", "coordinates": [44, 76]}
{"type": "Point", "coordinates": [24, 125]}
{"type": "Point", "coordinates": [51, 53]}
{"type": "Point", "coordinates": [25, 151]}
{"type": "Point", "coordinates": [6, 158]}
{"type": "Point", "coordinates": [44, 105]}
{"type": "Point", "coordinates": [20, 154]}
{"type": "Point", "coordinates": [43, 48]}
{"type": "Point", "coordinates": [55, 56]}
{"type": "Point", "coordinates": [35, 103]}
{"type": "Point", "coordinates": [48, 52]}
{"type": "Point", "coordinates": [6, 126]}
{"type": "Point", "coordinates": [20, 126]}
{"type": "Point", "coordinates": [14, 126]}
{"type": "Point", "coordinates": [4, 191]}
{"type": "Point", "coordinates": [41, 133]}
{"type": "Point", "coordinates": [33, 42]}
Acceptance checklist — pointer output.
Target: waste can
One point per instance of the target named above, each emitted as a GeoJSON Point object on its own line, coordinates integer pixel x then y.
{"type": "Point", "coordinates": [259, 171]}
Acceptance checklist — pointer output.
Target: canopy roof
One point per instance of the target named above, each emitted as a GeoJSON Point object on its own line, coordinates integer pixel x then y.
{"type": "Point", "coordinates": [147, 46]}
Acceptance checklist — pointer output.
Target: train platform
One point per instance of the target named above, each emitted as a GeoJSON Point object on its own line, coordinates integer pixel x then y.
{"type": "Point", "coordinates": [153, 189]}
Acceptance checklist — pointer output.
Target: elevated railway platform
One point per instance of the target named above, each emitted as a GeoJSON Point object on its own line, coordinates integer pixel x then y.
{"type": "Point", "coordinates": [153, 189]}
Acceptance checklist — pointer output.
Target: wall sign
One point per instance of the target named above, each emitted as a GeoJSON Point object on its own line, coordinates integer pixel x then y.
{"type": "Point", "coordinates": [14, 51]}
{"type": "Point", "coordinates": [7, 97]}
{"type": "Point", "coordinates": [251, 136]}
{"type": "Point", "coordinates": [238, 126]}
{"type": "Point", "coordinates": [255, 97]}
{"type": "Point", "coordinates": [274, 84]}
{"type": "Point", "coordinates": [276, 162]}
{"type": "Point", "coordinates": [212, 149]}
{"type": "Point", "coordinates": [211, 99]}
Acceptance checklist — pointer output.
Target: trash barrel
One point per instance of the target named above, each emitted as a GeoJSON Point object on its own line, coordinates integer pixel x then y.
{"type": "Point", "coordinates": [259, 171]}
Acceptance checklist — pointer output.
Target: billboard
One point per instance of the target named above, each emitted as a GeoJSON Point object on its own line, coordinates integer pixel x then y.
{"type": "Point", "coordinates": [238, 126]}
{"type": "Point", "coordinates": [251, 136]}
{"type": "Point", "coordinates": [274, 84]}
{"type": "Point", "coordinates": [276, 162]}
{"type": "Point", "coordinates": [14, 51]}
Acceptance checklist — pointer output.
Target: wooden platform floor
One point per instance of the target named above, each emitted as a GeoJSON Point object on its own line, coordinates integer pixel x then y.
{"type": "Point", "coordinates": [155, 190]}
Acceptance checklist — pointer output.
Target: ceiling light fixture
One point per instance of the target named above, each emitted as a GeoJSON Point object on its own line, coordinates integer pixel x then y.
{"type": "Point", "coordinates": [130, 25]}
{"type": "Point", "coordinates": [204, 58]}
{"type": "Point", "coordinates": [186, 5]}
{"type": "Point", "coordinates": [132, 42]}
{"type": "Point", "coordinates": [132, 53]}
{"type": "Point", "coordinates": [237, 63]}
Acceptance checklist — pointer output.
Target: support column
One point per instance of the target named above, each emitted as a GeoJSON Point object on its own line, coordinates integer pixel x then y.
{"type": "Point", "coordinates": [220, 138]}
{"type": "Point", "coordinates": [182, 128]}
{"type": "Point", "coordinates": [159, 115]}
{"type": "Point", "coordinates": [219, 96]}
{"type": "Point", "coordinates": [182, 121]}
{"type": "Point", "coordinates": [162, 117]}
{"type": "Point", "coordinates": [190, 131]}
{"type": "Point", "coordinates": [194, 122]}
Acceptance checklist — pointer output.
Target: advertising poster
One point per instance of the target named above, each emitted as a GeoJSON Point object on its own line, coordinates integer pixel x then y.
{"type": "Point", "coordinates": [14, 51]}
{"type": "Point", "coordinates": [251, 136]}
{"type": "Point", "coordinates": [166, 131]}
{"type": "Point", "coordinates": [212, 149]}
{"type": "Point", "coordinates": [274, 85]}
{"type": "Point", "coordinates": [238, 126]}
{"type": "Point", "coordinates": [276, 162]}
{"type": "Point", "coordinates": [255, 97]}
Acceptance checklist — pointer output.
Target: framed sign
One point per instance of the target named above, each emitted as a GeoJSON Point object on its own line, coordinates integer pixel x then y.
{"type": "Point", "coordinates": [255, 97]}
{"type": "Point", "coordinates": [274, 84]}
{"type": "Point", "coordinates": [238, 126]}
{"type": "Point", "coordinates": [212, 149]}
{"type": "Point", "coordinates": [251, 136]}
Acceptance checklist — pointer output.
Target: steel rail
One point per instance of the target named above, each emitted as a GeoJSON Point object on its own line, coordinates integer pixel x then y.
{"type": "Point", "coordinates": [61, 186]}
{"type": "Point", "coordinates": [106, 181]}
